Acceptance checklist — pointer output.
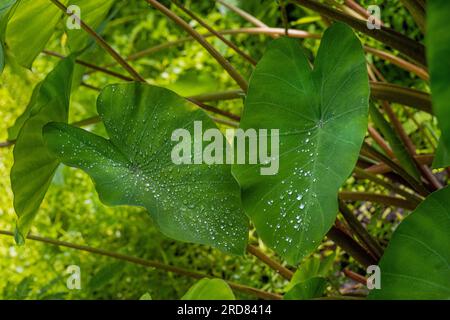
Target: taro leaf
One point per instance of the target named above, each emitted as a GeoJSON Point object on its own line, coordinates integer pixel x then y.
{"type": "Point", "coordinates": [309, 289]}
{"type": "Point", "coordinates": [34, 166]}
{"type": "Point", "coordinates": [312, 267]}
{"type": "Point", "coordinates": [189, 202]}
{"type": "Point", "coordinates": [438, 52]}
{"type": "Point", "coordinates": [93, 12]}
{"type": "Point", "coordinates": [209, 289]}
{"type": "Point", "coordinates": [416, 263]}
{"type": "Point", "coordinates": [30, 28]}
{"type": "Point", "coordinates": [396, 144]}
{"type": "Point", "coordinates": [6, 8]}
{"type": "Point", "coordinates": [322, 116]}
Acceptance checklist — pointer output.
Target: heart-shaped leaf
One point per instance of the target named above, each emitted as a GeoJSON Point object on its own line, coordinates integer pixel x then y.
{"type": "Point", "coordinates": [416, 264]}
{"type": "Point", "coordinates": [322, 117]}
{"type": "Point", "coordinates": [438, 52]}
{"type": "Point", "coordinates": [34, 166]}
{"type": "Point", "coordinates": [197, 203]}
{"type": "Point", "coordinates": [209, 289]}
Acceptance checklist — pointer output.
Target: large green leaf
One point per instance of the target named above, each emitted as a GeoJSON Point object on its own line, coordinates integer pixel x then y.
{"type": "Point", "coordinates": [34, 166]}
{"type": "Point", "coordinates": [438, 52]}
{"type": "Point", "coordinates": [197, 203]}
{"type": "Point", "coordinates": [322, 116]}
{"type": "Point", "coordinates": [209, 289]}
{"type": "Point", "coordinates": [6, 8]}
{"type": "Point", "coordinates": [93, 12]}
{"type": "Point", "coordinates": [30, 28]}
{"type": "Point", "coordinates": [416, 264]}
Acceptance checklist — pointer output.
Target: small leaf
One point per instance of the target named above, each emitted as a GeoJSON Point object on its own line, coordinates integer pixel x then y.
{"type": "Point", "coordinates": [312, 267]}
{"type": "Point", "coordinates": [309, 289]}
{"type": "Point", "coordinates": [438, 52]}
{"type": "Point", "coordinates": [416, 264]}
{"type": "Point", "coordinates": [146, 296]}
{"type": "Point", "coordinates": [34, 167]}
{"type": "Point", "coordinates": [30, 28]}
{"type": "Point", "coordinates": [209, 289]}
{"type": "Point", "coordinates": [322, 116]}
{"type": "Point", "coordinates": [189, 202]}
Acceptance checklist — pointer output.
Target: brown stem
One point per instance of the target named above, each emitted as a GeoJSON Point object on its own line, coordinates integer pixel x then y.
{"type": "Point", "coordinates": [217, 34]}
{"type": "Point", "coordinates": [274, 265]}
{"type": "Point", "coordinates": [353, 248]}
{"type": "Point", "coordinates": [378, 198]}
{"type": "Point", "coordinates": [148, 263]}
{"type": "Point", "coordinates": [417, 12]}
{"type": "Point", "coordinates": [200, 39]}
{"type": "Point", "coordinates": [364, 174]}
{"type": "Point", "coordinates": [380, 141]}
{"type": "Point", "coordinates": [406, 96]}
{"type": "Point", "coordinates": [399, 62]}
{"type": "Point", "coordinates": [91, 66]}
{"type": "Point", "coordinates": [371, 152]}
{"type": "Point", "coordinates": [396, 40]}
{"type": "Point", "coordinates": [101, 42]}
{"type": "Point", "coordinates": [355, 276]}
{"type": "Point", "coordinates": [361, 232]}
{"type": "Point", "coordinates": [253, 20]}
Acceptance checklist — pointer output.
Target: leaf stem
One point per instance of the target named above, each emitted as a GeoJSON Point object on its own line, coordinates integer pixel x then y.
{"type": "Point", "coordinates": [361, 232]}
{"type": "Point", "coordinates": [200, 39]}
{"type": "Point", "coordinates": [353, 248]}
{"type": "Point", "coordinates": [148, 263]}
{"type": "Point", "coordinates": [283, 271]}
{"type": "Point", "coordinates": [396, 40]}
{"type": "Point", "coordinates": [101, 42]}
{"type": "Point", "coordinates": [376, 197]}
{"type": "Point", "coordinates": [214, 32]}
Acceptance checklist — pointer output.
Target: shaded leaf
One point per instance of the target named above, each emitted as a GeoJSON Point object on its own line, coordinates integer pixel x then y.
{"type": "Point", "coordinates": [438, 52]}
{"type": "Point", "coordinates": [322, 116]}
{"type": "Point", "coordinates": [197, 203]}
{"type": "Point", "coordinates": [416, 264]}
{"type": "Point", "coordinates": [209, 289]}
{"type": "Point", "coordinates": [146, 296]}
{"type": "Point", "coordinates": [34, 166]}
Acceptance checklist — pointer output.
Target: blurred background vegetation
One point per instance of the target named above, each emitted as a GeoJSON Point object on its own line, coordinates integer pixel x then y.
{"type": "Point", "coordinates": [72, 211]}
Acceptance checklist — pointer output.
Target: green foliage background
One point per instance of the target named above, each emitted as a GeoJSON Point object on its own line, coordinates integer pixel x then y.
{"type": "Point", "coordinates": [72, 211]}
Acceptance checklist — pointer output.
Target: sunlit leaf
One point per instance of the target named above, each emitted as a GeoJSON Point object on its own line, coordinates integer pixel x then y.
{"type": "Point", "coordinates": [30, 28]}
{"type": "Point", "coordinates": [34, 166]}
{"type": "Point", "coordinates": [197, 203]}
{"type": "Point", "coordinates": [6, 8]}
{"type": "Point", "coordinates": [416, 264]}
{"type": "Point", "coordinates": [209, 289]}
{"type": "Point", "coordinates": [322, 116]}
